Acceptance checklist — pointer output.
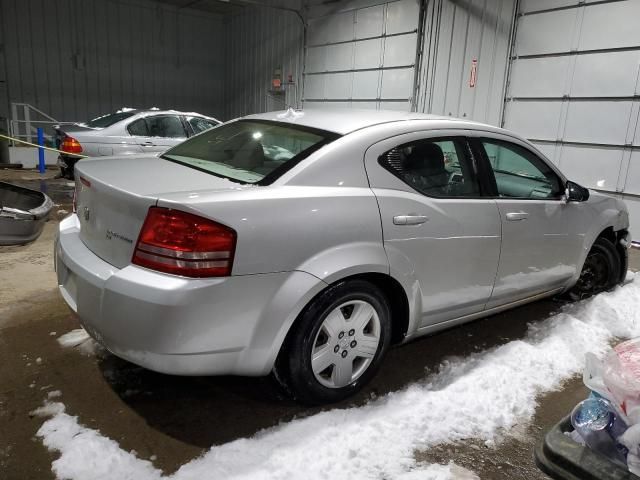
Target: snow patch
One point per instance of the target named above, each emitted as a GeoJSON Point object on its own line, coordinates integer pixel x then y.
{"type": "Point", "coordinates": [48, 410]}
{"type": "Point", "coordinates": [481, 396]}
{"type": "Point", "coordinates": [87, 455]}
{"type": "Point", "coordinates": [80, 338]}
{"type": "Point", "coordinates": [74, 338]}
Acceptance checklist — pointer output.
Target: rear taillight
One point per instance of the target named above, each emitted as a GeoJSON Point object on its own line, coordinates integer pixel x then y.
{"type": "Point", "coordinates": [70, 145]}
{"type": "Point", "coordinates": [181, 243]}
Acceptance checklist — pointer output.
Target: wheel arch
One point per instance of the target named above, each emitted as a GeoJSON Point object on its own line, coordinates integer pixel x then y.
{"type": "Point", "coordinates": [390, 287]}
{"type": "Point", "coordinates": [616, 237]}
{"type": "Point", "coordinates": [619, 239]}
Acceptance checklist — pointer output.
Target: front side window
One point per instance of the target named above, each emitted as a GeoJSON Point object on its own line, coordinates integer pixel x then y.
{"type": "Point", "coordinates": [434, 167]}
{"type": "Point", "coordinates": [168, 126]}
{"type": "Point", "coordinates": [519, 173]}
{"type": "Point", "coordinates": [249, 151]}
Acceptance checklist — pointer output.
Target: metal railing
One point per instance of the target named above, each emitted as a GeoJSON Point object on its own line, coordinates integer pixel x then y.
{"type": "Point", "coordinates": [25, 120]}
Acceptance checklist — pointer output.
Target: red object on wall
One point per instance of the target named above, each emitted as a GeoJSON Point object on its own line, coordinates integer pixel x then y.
{"type": "Point", "coordinates": [474, 73]}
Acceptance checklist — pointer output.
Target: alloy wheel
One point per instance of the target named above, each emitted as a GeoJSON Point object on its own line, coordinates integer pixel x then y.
{"type": "Point", "coordinates": [345, 344]}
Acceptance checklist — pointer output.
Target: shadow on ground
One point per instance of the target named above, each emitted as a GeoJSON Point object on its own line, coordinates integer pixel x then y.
{"type": "Point", "coordinates": [206, 411]}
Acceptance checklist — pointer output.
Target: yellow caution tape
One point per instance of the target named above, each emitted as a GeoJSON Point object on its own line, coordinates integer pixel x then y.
{"type": "Point", "coordinates": [46, 148]}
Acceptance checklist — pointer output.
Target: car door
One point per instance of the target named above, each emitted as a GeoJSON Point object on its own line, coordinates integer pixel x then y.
{"type": "Point", "coordinates": [156, 133]}
{"type": "Point", "coordinates": [541, 242]}
{"type": "Point", "coordinates": [439, 232]}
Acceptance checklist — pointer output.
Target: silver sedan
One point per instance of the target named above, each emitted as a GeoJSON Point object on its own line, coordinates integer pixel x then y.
{"type": "Point", "coordinates": [305, 243]}
{"type": "Point", "coordinates": [126, 132]}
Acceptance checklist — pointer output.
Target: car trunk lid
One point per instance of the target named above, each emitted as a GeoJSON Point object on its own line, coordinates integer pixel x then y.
{"type": "Point", "coordinates": [113, 196]}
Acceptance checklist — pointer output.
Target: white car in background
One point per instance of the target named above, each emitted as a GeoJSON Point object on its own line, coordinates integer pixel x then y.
{"type": "Point", "coordinates": [127, 132]}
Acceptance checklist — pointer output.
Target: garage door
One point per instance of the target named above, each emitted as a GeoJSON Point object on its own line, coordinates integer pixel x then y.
{"type": "Point", "coordinates": [574, 87]}
{"type": "Point", "coordinates": [363, 57]}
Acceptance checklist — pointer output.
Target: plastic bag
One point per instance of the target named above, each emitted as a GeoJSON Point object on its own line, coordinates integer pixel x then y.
{"type": "Point", "coordinates": [592, 376]}
{"type": "Point", "coordinates": [621, 377]}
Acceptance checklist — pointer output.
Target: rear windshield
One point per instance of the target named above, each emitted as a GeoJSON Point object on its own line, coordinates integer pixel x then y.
{"type": "Point", "coordinates": [249, 151]}
{"type": "Point", "coordinates": [108, 120]}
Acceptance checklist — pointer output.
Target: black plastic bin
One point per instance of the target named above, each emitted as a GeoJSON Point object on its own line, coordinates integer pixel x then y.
{"type": "Point", "coordinates": [23, 213]}
{"type": "Point", "coordinates": [563, 459]}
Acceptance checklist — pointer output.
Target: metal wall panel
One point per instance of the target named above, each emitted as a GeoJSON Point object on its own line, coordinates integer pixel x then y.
{"type": "Point", "coordinates": [548, 32]}
{"type": "Point", "coordinates": [258, 41]}
{"type": "Point", "coordinates": [539, 119]}
{"type": "Point", "coordinates": [117, 53]}
{"type": "Point", "coordinates": [456, 34]}
{"type": "Point", "coordinates": [369, 22]}
{"type": "Point", "coordinates": [539, 77]}
{"type": "Point", "coordinates": [593, 167]}
{"type": "Point", "coordinates": [584, 122]}
{"type": "Point", "coordinates": [608, 74]}
{"type": "Point", "coordinates": [632, 180]}
{"type": "Point", "coordinates": [610, 25]}
{"type": "Point", "coordinates": [360, 55]}
{"type": "Point", "coordinates": [549, 150]}
{"type": "Point", "coordinates": [367, 54]}
{"type": "Point", "coordinates": [574, 85]}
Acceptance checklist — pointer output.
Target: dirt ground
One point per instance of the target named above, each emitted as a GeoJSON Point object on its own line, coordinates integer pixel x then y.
{"type": "Point", "coordinates": [171, 420]}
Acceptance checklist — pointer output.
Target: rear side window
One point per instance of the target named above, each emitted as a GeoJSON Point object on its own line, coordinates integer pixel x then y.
{"type": "Point", "coordinates": [519, 173]}
{"type": "Point", "coordinates": [138, 128]}
{"type": "Point", "coordinates": [168, 126]}
{"type": "Point", "coordinates": [199, 124]}
{"type": "Point", "coordinates": [434, 167]}
{"type": "Point", "coordinates": [249, 151]}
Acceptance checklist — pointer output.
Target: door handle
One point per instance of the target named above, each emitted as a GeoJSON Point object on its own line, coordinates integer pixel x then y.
{"type": "Point", "coordinates": [517, 216]}
{"type": "Point", "coordinates": [409, 219]}
{"type": "Point", "coordinates": [148, 144]}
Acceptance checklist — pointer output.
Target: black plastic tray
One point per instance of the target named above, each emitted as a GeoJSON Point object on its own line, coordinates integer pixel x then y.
{"type": "Point", "coordinates": [563, 459]}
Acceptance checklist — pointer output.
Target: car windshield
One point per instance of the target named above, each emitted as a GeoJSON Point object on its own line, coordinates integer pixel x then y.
{"type": "Point", "coordinates": [108, 120]}
{"type": "Point", "coordinates": [249, 151]}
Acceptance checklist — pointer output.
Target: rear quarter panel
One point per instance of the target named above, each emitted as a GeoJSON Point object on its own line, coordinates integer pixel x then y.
{"type": "Point", "coordinates": [329, 232]}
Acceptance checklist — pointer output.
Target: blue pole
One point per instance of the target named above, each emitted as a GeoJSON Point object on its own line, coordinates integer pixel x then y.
{"type": "Point", "coordinates": [40, 150]}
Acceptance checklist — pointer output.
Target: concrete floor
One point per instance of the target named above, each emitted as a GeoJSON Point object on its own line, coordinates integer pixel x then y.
{"type": "Point", "coordinates": [177, 418]}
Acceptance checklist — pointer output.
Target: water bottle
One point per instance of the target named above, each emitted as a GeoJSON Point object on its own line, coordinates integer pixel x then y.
{"type": "Point", "coordinates": [598, 424]}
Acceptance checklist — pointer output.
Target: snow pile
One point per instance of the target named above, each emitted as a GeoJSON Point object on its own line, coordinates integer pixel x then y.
{"type": "Point", "coordinates": [81, 339]}
{"type": "Point", "coordinates": [87, 454]}
{"type": "Point", "coordinates": [481, 396]}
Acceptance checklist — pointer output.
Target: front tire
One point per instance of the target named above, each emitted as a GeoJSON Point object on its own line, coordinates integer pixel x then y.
{"type": "Point", "coordinates": [336, 345]}
{"type": "Point", "coordinates": [600, 272]}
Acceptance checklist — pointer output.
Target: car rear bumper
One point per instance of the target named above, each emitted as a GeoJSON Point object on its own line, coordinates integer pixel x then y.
{"type": "Point", "coordinates": [170, 324]}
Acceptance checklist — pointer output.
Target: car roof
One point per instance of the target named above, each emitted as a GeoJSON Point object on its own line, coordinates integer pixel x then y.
{"type": "Point", "coordinates": [146, 112]}
{"type": "Point", "coordinates": [347, 120]}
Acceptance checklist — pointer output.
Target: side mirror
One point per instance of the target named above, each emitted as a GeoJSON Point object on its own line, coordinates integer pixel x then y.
{"type": "Point", "coordinates": [576, 193]}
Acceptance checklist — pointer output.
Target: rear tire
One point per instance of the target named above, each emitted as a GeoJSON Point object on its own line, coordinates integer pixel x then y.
{"type": "Point", "coordinates": [336, 345]}
{"type": "Point", "coordinates": [600, 272]}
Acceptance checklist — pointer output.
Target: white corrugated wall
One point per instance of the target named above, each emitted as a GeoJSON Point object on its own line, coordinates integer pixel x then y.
{"type": "Point", "coordinates": [574, 91]}
{"type": "Point", "coordinates": [363, 54]}
{"type": "Point", "coordinates": [457, 32]}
